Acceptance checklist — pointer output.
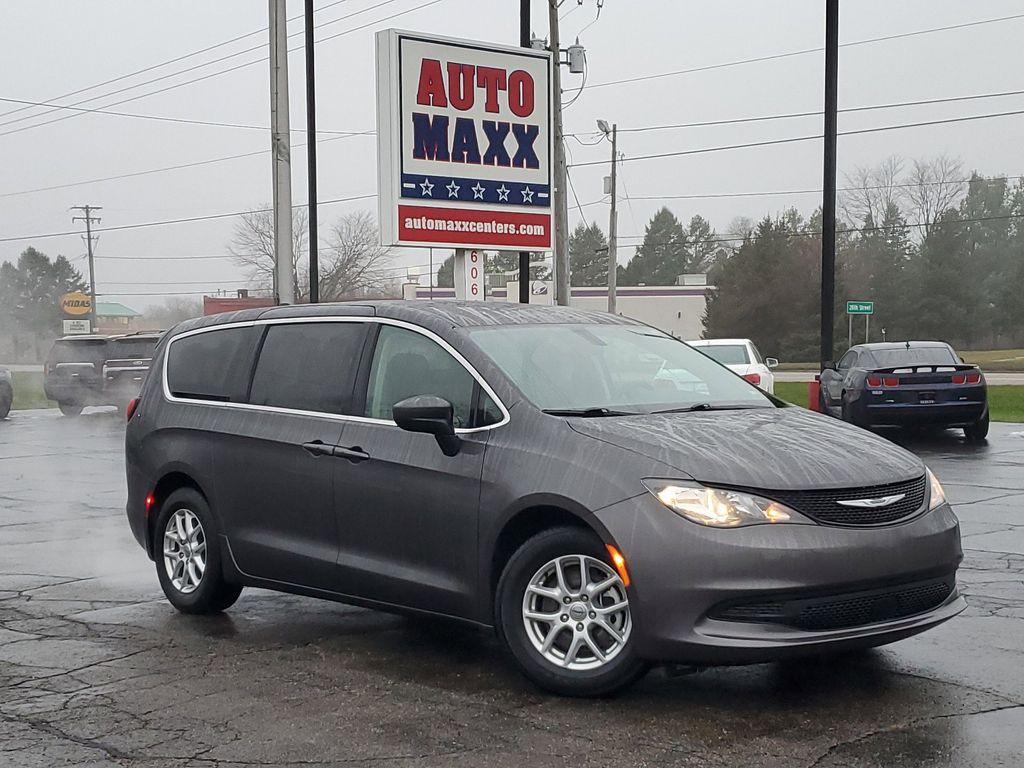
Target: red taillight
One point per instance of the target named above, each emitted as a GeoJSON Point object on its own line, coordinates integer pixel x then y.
{"type": "Point", "coordinates": [974, 378]}
{"type": "Point", "coordinates": [149, 502]}
{"type": "Point", "coordinates": [874, 382]}
{"type": "Point", "coordinates": [753, 378]}
{"type": "Point", "coordinates": [129, 411]}
{"type": "Point", "coordinates": [891, 381]}
{"type": "Point", "coordinates": [959, 378]}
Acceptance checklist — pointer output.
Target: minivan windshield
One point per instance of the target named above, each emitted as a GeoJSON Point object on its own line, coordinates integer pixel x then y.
{"type": "Point", "coordinates": [608, 370]}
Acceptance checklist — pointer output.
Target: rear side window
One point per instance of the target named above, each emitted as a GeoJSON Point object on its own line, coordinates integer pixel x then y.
{"type": "Point", "coordinates": [308, 366]}
{"type": "Point", "coordinates": [405, 364]}
{"type": "Point", "coordinates": [727, 354]}
{"type": "Point", "coordinates": [123, 349]}
{"type": "Point", "coordinates": [213, 365]}
{"type": "Point", "coordinates": [84, 351]}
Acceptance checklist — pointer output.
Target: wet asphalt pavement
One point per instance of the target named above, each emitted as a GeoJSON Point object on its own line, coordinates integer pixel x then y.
{"type": "Point", "coordinates": [96, 669]}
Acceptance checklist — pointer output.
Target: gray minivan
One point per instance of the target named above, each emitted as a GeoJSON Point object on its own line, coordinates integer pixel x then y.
{"type": "Point", "coordinates": [527, 468]}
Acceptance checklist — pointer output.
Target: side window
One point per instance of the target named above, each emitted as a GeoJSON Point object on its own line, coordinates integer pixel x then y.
{"type": "Point", "coordinates": [308, 366]}
{"type": "Point", "coordinates": [405, 364]}
{"type": "Point", "coordinates": [487, 411]}
{"type": "Point", "coordinates": [757, 355]}
{"type": "Point", "coordinates": [212, 365]}
{"type": "Point", "coordinates": [847, 361]}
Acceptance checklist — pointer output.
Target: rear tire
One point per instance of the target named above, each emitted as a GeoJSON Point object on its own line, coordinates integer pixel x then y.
{"type": "Point", "coordinates": [977, 431]}
{"type": "Point", "coordinates": [579, 671]}
{"type": "Point", "coordinates": [71, 410]}
{"type": "Point", "coordinates": [188, 557]}
{"type": "Point", "coordinates": [848, 415]}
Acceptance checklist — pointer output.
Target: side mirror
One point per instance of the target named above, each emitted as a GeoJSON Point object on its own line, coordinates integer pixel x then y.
{"type": "Point", "coordinates": [430, 414]}
{"type": "Point", "coordinates": [771, 362]}
{"type": "Point", "coordinates": [830, 365]}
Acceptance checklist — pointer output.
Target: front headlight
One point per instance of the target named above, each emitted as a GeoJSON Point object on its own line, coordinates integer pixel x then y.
{"type": "Point", "coordinates": [937, 497]}
{"type": "Point", "coordinates": [720, 508]}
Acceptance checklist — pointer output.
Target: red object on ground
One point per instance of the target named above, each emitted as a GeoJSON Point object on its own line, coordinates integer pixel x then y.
{"type": "Point", "coordinates": [214, 305]}
{"type": "Point", "coordinates": [814, 394]}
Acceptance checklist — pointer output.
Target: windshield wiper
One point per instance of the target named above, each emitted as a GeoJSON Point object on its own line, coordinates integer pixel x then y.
{"type": "Point", "coordinates": [587, 412]}
{"type": "Point", "coordinates": [707, 407]}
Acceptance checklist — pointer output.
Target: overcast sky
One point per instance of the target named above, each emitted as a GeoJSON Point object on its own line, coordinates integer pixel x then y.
{"type": "Point", "coordinates": [53, 47]}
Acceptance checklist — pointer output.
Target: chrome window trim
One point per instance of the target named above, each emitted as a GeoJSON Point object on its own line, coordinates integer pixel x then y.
{"type": "Point", "coordinates": [320, 414]}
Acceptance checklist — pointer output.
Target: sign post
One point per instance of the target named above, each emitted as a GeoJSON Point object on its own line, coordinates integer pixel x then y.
{"type": "Point", "coordinates": [866, 308]}
{"type": "Point", "coordinates": [464, 146]}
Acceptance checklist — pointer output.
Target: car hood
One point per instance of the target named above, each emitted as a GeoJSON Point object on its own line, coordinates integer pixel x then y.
{"type": "Point", "coordinates": [771, 448]}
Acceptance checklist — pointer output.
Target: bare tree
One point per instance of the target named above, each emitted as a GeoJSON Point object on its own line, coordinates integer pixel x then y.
{"type": "Point", "coordinates": [935, 185]}
{"type": "Point", "coordinates": [172, 311]}
{"type": "Point", "coordinates": [352, 260]}
{"type": "Point", "coordinates": [870, 191]}
{"type": "Point", "coordinates": [252, 247]}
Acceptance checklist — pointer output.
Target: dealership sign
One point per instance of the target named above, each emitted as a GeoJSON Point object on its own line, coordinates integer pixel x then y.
{"type": "Point", "coordinates": [75, 304]}
{"type": "Point", "coordinates": [463, 143]}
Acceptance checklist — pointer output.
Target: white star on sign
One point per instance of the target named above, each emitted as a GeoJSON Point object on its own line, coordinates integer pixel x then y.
{"type": "Point", "coordinates": [503, 193]}
{"type": "Point", "coordinates": [428, 188]}
{"type": "Point", "coordinates": [478, 191]}
{"type": "Point", "coordinates": [527, 195]}
{"type": "Point", "coordinates": [453, 189]}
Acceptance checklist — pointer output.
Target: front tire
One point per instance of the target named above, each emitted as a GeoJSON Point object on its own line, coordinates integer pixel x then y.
{"type": "Point", "coordinates": [188, 558]}
{"type": "Point", "coordinates": [71, 410]}
{"type": "Point", "coordinates": [977, 431]}
{"type": "Point", "coordinates": [563, 612]}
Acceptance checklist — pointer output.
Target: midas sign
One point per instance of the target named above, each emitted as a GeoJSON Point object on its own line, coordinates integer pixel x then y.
{"type": "Point", "coordinates": [464, 143]}
{"type": "Point", "coordinates": [75, 303]}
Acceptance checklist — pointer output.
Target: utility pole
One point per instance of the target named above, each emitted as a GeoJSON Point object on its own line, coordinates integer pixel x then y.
{"type": "Point", "coordinates": [88, 218]}
{"type": "Point", "coordinates": [828, 204]}
{"type": "Point", "coordinates": [280, 152]}
{"type": "Point", "coordinates": [613, 230]}
{"type": "Point", "coordinates": [561, 187]}
{"type": "Point", "coordinates": [314, 256]}
{"type": "Point", "coordinates": [524, 256]}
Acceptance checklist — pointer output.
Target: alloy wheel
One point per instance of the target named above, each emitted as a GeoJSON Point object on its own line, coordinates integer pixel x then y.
{"type": "Point", "coordinates": [184, 551]}
{"type": "Point", "coordinates": [576, 612]}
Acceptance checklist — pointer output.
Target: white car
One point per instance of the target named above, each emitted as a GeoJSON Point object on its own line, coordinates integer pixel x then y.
{"type": "Point", "coordinates": [741, 356]}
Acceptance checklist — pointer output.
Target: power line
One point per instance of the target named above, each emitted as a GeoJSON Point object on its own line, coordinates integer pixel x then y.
{"type": "Point", "coordinates": [816, 113]}
{"type": "Point", "coordinates": [171, 61]}
{"type": "Point", "coordinates": [784, 192]}
{"type": "Point", "coordinates": [212, 74]}
{"type": "Point", "coordinates": [172, 74]}
{"type": "Point", "coordinates": [789, 54]}
{"type": "Point", "coordinates": [793, 139]}
{"type": "Point", "coordinates": [180, 166]}
{"type": "Point", "coordinates": [187, 220]}
{"type": "Point", "coordinates": [851, 230]}
{"type": "Point", "coordinates": [579, 207]}
{"type": "Point", "coordinates": [167, 119]}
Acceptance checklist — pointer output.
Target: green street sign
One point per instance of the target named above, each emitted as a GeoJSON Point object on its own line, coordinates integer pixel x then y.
{"type": "Point", "coordinates": [860, 307]}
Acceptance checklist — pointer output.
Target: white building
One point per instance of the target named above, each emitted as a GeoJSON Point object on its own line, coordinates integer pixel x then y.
{"type": "Point", "coordinates": [675, 309]}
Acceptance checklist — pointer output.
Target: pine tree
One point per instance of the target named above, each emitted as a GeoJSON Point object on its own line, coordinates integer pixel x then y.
{"type": "Point", "coordinates": [588, 255]}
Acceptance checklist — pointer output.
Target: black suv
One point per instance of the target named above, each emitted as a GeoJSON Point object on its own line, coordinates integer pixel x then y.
{"type": "Point", "coordinates": [73, 372]}
{"type": "Point", "coordinates": [97, 370]}
{"type": "Point", "coordinates": [531, 469]}
{"type": "Point", "coordinates": [127, 361]}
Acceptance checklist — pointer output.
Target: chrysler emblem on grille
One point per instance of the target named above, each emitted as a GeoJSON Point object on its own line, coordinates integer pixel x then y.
{"type": "Point", "coordinates": [880, 501]}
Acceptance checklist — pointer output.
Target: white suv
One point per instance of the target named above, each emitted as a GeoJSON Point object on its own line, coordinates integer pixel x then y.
{"type": "Point", "coordinates": [741, 356]}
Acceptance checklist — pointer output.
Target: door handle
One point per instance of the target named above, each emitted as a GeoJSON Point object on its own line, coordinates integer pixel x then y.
{"type": "Point", "coordinates": [354, 454]}
{"type": "Point", "coordinates": [319, 448]}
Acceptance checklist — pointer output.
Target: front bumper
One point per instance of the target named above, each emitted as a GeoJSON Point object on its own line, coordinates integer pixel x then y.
{"type": "Point", "coordinates": [682, 572]}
